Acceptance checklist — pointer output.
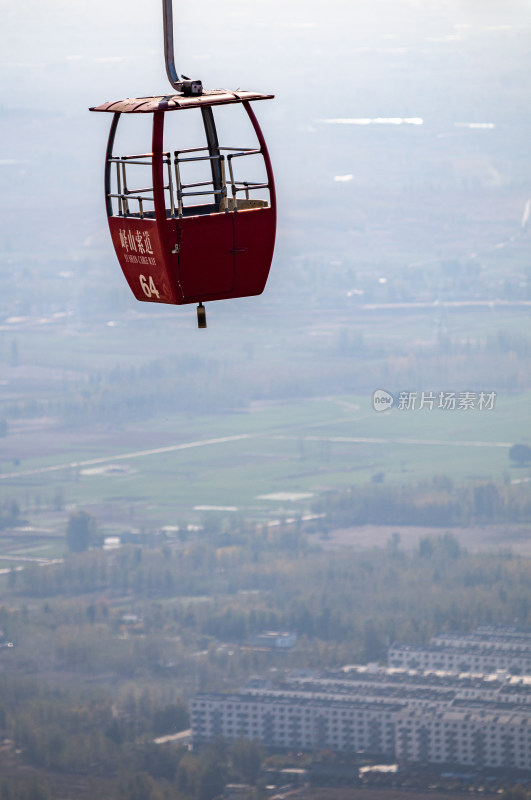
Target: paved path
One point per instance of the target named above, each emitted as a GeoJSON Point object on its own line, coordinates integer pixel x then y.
{"type": "Point", "coordinates": [126, 456]}
{"type": "Point", "coordinates": [392, 440]}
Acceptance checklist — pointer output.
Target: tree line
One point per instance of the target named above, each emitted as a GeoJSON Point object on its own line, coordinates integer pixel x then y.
{"type": "Point", "coordinates": [437, 504]}
{"type": "Point", "coordinates": [355, 603]}
{"type": "Point", "coordinates": [196, 383]}
{"type": "Point", "coordinates": [75, 733]}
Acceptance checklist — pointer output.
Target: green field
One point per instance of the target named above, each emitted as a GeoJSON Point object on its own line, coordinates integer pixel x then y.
{"type": "Point", "coordinates": [295, 418]}
{"type": "Point", "coordinates": [305, 447]}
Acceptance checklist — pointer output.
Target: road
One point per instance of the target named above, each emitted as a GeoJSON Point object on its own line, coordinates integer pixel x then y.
{"type": "Point", "coordinates": [174, 448]}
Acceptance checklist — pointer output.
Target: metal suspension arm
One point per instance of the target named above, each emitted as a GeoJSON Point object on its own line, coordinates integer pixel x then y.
{"type": "Point", "coordinates": [173, 75]}
{"type": "Point", "coordinates": [184, 84]}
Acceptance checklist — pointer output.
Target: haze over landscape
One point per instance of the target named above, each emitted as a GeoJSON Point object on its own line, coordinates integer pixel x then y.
{"type": "Point", "coordinates": [219, 475]}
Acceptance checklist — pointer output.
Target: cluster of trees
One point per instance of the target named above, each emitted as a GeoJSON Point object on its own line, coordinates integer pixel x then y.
{"type": "Point", "coordinates": [25, 789]}
{"type": "Point", "coordinates": [10, 514]}
{"type": "Point", "coordinates": [520, 454]}
{"type": "Point", "coordinates": [195, 383]}
{"type": "Point", "coordinates": [86, 733]}
{"type": "Point", "coordinates": [139, 392]}
{"type": "Point", "coordinates": [436, 504]}
{"type": "Point", "coordinates": [344, 606]}
{"type": "Point", "coordinates": [70, 728]}
{"type": "Point", "coordinates": [80, 531]}
{"type": "Point", "coordinates": [516, 793]}
{"type": "Point", "coordinates": [501, 342]}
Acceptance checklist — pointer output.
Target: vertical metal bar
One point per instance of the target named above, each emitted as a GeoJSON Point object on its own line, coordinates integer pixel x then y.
{"type": "Point", "coordinates": [124, 181]}
{"type": "Point", "coordinates": [213, 151]}
{"type": "Point", "coordinates": [141, 208]}
{"type": "Point", "coordinates": [119, 190]}
{"type": "Point", "coordinates": [170, 186]}
{"type": "Point", "coordinates": [224, 180]}
{"type": "Point", "coordinates": [178, 184]}
{"type": "Point", "coordinates": [167, 13]}
{"type": "Point", "coordinates": [233, 185]}
{"type": "Point", "coordinates": [110, 145]}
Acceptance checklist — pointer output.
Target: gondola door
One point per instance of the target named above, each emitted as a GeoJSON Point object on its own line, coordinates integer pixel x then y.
{"type": "Point", "coordinates": [206, 255]}
{"type": "Point", "coordinates": [205, 242]}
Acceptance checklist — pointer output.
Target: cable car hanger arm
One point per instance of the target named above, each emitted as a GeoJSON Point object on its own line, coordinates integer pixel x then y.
{"type": "Point", "coordinates": [173, 75]}
{"type": "Point", "coordinates": [184, 84]}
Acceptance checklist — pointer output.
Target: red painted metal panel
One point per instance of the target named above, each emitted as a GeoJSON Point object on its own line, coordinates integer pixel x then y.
{"type": "Point", "coordinates": [254, 242]}
{"type": "Point", "coordinates": [206, 256]}
{"type": "Point", "coordinates": [141, 256]}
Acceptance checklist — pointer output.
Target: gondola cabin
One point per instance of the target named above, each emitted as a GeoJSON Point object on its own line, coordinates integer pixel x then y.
{"type": "Point", "coordinates": [188, 241]}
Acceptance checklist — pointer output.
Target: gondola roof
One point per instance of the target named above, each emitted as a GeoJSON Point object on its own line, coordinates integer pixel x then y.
{"type": "Point", "coordinates": [174, 102]}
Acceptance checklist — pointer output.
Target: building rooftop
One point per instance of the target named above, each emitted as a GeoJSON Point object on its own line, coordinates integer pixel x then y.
{"type": "Point", "coordinates": [269, 698]}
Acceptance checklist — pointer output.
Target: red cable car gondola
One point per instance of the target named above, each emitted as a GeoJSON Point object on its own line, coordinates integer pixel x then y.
{"type": "Point", "coordinates": [171, 248]}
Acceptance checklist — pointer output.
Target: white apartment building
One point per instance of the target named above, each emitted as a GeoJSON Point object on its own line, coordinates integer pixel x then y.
{"type": "Point", "coordinates": [416, 688]}
{"type": "Point", "coordinates": [452, 703]}
{"type": "Point", "coordinates": [470, 737]}
{"type": "Point", "coordinates": [486, 649]}
{"type": "Point", "coordinates": [447, 656]}
{"type": "Point", "coordinates": [478, 735]}
{"type": "Point", "coordinates": [488, 636]}
{"type": "Point", "coordinates": [305, 724]}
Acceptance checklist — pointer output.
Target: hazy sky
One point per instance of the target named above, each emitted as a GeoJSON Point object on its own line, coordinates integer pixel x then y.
{"type": "Point", "coordinates": [64, 51]}
{"type": "Point", "coordinates": [444, 62]}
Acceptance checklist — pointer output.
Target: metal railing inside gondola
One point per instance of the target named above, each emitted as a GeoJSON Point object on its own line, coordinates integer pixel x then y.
{"type": "Point", "coordinates": [225, 197]}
